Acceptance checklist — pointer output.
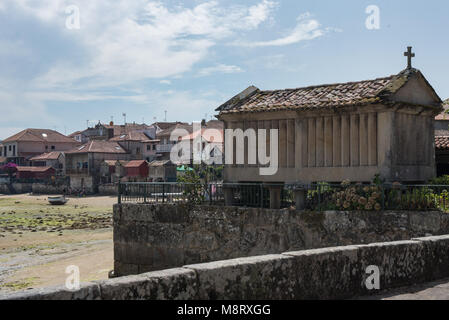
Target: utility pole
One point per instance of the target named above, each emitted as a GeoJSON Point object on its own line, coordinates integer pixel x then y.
{"type": "Point", "coordinates": [124, 117]}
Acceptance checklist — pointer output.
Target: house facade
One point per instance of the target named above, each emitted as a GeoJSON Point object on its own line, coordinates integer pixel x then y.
{"type": "Point", "coordinates": [55, 159]}
{"type": "Point", "coordinates": [83, 163]}
{"type": "Point", "coordinates": [162, 171]}
{"type": "Point", "coordinates": [139, 144]}
{"type": "Point", "coordinates": [21, 147]}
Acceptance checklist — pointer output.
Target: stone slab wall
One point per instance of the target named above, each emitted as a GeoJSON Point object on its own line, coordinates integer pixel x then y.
{"type": "Point", "coordinates": [36, 188]}
{"type": "Point", "coordinates": [39, 188]}
{"type": "Point", "coordinates": [108, 189]}
{"type": "Point", "coordinates": [18, 187]}
{"type": "Point", "coordinates": [327, 273]}
{"type": "Point", "coordinates": [155, 237]}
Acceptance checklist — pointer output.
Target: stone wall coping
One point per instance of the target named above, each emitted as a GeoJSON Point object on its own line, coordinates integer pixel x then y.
{"type": "Point", "coordinates": [95, 290]}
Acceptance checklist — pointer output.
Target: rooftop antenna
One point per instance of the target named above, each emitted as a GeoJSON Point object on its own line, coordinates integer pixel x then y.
{"type": "Point", "coordinates": [124, 117]}
{"type": "Point", "coordinates": [165, 119]}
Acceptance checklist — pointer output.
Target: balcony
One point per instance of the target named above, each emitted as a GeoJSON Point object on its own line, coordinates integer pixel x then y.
{"type": "Point", "coordinates": [164, 147]}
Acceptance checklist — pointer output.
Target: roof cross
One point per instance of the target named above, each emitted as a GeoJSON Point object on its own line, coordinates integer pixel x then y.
{"type": "Point", "coordinates": [409, 54]}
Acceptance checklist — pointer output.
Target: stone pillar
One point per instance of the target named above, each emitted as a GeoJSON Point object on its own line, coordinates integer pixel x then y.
{"type": "Point", "coordinates": [300, 199]}
{"type": "Point", "coordinates": [275, 196]}
{"type": "Point", "coordinates": [228, 196]}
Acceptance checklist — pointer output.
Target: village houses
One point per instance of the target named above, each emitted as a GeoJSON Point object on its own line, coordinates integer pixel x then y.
{"type": "Point", "coordinates": [21, 147]}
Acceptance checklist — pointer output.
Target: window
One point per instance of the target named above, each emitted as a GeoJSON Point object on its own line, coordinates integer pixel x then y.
{"type": "Point", "coordinates": [137, 150]}
{"type": "Point", "coordinates": [154, 147]}
{"type": "Point", "coordinates": [52, 147]}
{"type": "Point", "coordinates": [1, 149]}
{"type": "Point", "coordinates": [10, 147]}
{"type": "Point", "coordinates": [46, 147]}
{"type": "Point", "coordinates": [148, 147]}
{"type": "Point", "coordinates": [14, 151]}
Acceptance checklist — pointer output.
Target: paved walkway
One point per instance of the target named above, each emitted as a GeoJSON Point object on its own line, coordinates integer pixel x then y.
{"type": "Point", "coordinates": [438, 290]}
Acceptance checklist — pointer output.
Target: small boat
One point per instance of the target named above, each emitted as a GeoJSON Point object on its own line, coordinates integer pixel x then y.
{"type": "Point", "coordinates": [57, 201]}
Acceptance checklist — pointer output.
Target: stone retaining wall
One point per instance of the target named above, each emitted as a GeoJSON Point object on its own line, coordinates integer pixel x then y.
{"type": "Point", "coordinates": [39, 188]}
{"type": "Point", "coordinates": [108, 189]}
{"type": "Point", "coordinates": [328, 273]}
{"type": "Point", "coordinates": [155, 237]}
{"type": "Point", "coordinates": [18, 187]}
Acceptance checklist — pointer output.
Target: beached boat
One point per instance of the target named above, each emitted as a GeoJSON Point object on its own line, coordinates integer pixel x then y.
{"type": "Point", "coordinates": [57, 201]}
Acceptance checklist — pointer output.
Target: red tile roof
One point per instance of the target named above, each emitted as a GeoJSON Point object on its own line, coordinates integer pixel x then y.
{"type": "Point", "coordinates": [33, 169]}
{"type": "Point", "coordinates": [135, 163]}
{"type": "Point", "coordinates": [444, 115]}
{"type": "Point", "coordinates": [442, 142]}
{"type": "Point", "coordinates": [131, 136]}
{"type": "Point", "coordinates": [98, 146]}
{"type": "Point", "coordinates": [209, 134]}
{"type": "Point", "coordinates": [323, 96]}
{"type": "Point", "coordinates": [47, 156]}
{"type": "Point", "coordinates": [167, 125]}
{"type": "Point", "coordinates": [39, 135]}
{"type": "Point", "coordinates": [168, 132]}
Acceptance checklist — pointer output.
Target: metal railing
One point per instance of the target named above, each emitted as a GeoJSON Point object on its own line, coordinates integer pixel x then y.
{"type": "Point", "coordinates": [318, 197]}
{"type": "Point", "coordinates": [369, 197]}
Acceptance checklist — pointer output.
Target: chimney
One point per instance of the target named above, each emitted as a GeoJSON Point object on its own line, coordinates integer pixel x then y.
{"type": "Point", "coordinates": [203, 122]}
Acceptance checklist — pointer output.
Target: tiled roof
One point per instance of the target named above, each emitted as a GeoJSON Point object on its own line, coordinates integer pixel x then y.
{"type": "Point", "coordinates": [444, 115]}
{"type": "Point", "coordinates": [74, 134]}
{"type": "Point", "coordinates": [208, 134]}
{"type": "Point", "coordinates": [33, 169]}
{"type": "Point", "coordinates": [39, 135]}
{"type": "Point", "coordinates": [442, 142]}
{"type": "Point", "coordinates": [215, 124]}
{"type": "Point", "coordinates": [167, 125]}
{"type": "Point", "coordinates": [47, 156]}
{"type": "Point", "coordinates": [131, 136]}
{"type": "Point", "coordinates": [98, 146]}
{"type": "Point", "coordinates": [160, 163]}
{"type": "Point", "coordinates": [167, 132]}
{"type": "Point", "coordinates": [135, 163]}
{"type": "Point", "coordinates": [110, 162]}
{"type": "Point", "coordinates": [123, 129]}
{"type": "Point", "coordinates": [322, 96]}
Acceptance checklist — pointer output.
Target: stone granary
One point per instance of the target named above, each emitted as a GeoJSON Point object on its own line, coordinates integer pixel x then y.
{"type": "Point", "coordinates": [340, 131]}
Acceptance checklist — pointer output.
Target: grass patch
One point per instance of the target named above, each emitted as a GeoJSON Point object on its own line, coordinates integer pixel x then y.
{"type": "Point", "coordinates": [19, 285]}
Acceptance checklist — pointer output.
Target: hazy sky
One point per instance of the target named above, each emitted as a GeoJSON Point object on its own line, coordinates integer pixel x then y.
{"type": "Point", "coordinates": [187, 57]}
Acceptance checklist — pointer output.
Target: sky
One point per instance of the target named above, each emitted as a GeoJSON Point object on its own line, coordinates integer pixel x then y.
{"type": "Point", "coordinates": [67, 63]}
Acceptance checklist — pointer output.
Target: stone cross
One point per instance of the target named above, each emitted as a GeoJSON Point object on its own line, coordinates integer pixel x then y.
{"type": "Point", "coordinates": [409, 56]}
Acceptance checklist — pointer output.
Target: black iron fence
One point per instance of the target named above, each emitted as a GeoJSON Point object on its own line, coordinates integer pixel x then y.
{"type": "Point", "coordinates": [319, 196]}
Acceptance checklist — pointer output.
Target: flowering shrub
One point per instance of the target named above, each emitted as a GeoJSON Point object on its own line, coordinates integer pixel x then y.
{"type": "Point", "coordinates": [357, 197]}
{"type": "Point", "coordinates": [376, 197]}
